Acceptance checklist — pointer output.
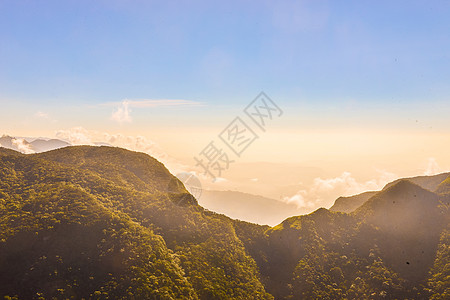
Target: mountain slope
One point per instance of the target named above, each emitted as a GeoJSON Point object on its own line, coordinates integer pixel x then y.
{"type": "Point", "coordinates": [409, 221]}
{"type": "Point", "coordinates": [36, 146]}
{"type": "Point", "coordinates": [43, 145]}
{"type": "Point", "coordinates": [427, 182]}
{"type": "Point", "coordinates": [431, 183]}
{"type": "Point", "coordinates": [444, 186]}
{"type": "Point", "coordinates": [132, 186]}
{"type": "Point", "coordinates": [386, 248]}
{"type": "Point", "coordinates": [103, 222]}
{"type": "Point", "coordinates": [349, 204]}
{"type": "Point", "coordinates": [59, 240]}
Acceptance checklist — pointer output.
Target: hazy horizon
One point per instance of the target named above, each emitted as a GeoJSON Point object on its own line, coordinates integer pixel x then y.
{"type": "Point", "coordinates": [363, 88]}
{"type": "Point", "coordinates": [308, 185]}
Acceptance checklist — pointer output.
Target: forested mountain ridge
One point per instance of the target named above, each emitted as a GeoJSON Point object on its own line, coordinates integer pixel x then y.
{"type": "Point", "coordinates": [351, 203]}
{"type": "Point", "coordinates": [34, 146]}
{"type": "Point", "coordinates": [108, 223]}
{"type": "Point", "coordinates": [127, 236]}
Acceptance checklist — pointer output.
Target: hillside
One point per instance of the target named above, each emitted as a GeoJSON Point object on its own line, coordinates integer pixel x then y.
{"type": "Point", "coordinates": [35, 146]}
{"type": "Point", "coordinates": [409, 221]}
{"type": "Point", "coordinates": [434, 183]}
{"type": "Point", "coordinates": [395, 235]}
{"type": "Point", "coordinates": [97, 221]}
{"type": "Point", "coordinates": [427, 182]}
{"type": "Point", "coordinates": [444, 186]}
{"type": "Point", "coordinates": [42, 145]}
{"type": "Point", "coordinates": [108, 223]}
{"type": "Point", "coordinates": [349, 204]}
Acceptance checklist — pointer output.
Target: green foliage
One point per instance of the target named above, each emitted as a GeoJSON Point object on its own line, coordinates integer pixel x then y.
{"type": "Point", "coordinates": [99, 223]}
{"type": "Point", "coordinates": [444, 187]}
{"type": "Point", "coordinates": [107, 223]}
{"type": "Point", "coordinates": [439, 282]}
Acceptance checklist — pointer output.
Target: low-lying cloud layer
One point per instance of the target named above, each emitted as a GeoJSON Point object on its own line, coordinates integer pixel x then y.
{"type": "Point", "coordinates": [324, 192]}
{"type": "Point", "coordinates": [82, 136]}
{"type": "Point", "coordinates": [22, 146]}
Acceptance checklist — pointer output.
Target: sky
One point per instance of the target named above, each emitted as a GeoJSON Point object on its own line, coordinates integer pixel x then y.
{"type": "Point", "coordinates": [363, 85]}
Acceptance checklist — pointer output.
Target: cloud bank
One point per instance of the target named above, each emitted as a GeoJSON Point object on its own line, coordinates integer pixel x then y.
{"type": "Point", "coordinates": [82, 136]}
{"type": "Point", "coordinates": [122, 113]}
{"type": "Point", "coordinates": [22, 146]}
{"type": "Point", "coordinates": [324, 192]}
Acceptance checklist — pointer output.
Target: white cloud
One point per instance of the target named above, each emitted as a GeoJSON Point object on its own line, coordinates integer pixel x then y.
{"type": "Point", "coordinates": [432, 167]}
{"type": "Point", "coordinates": [299, 200]}
{"type": "Point", "coordinates": [41, 115]}
{"type": "Point", "coordinates": [219, 180]}
{"type": "Point", "coordinates": [324, 192]}
{"type": "Point", "coordinates": [122, 113]}
{"type": "Point", "coordinates": [254, 179]}
{"type": "Point", "coordinates": [82, 136]}
{"type": "Point", "coordinates": [75, 136]}
{"type": "Point", "coordinates": [22, 146]}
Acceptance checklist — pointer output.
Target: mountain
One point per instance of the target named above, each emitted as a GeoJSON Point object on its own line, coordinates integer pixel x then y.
{"type": "Point", "coordinates": [433, 183]}
{"type": "Point", "coordinates": [444, 186]}
{"type": "Point", "coordinates": [35, 146]}
{"type": "Point", "coordinates": [99, 222]}
{"type": "Point", "coordinates": [384, 249]}
{"type": "Point", "coordinates": [108, 223]}
{"type": "Point", "coordinates": [409, 221]}
{"type": "Point", "coordinates": [11, 142]}
{"type": "Point", "coordinates": [427, 182]}
{"type": "Point", "coordinates": [42, 145]}
{"type": "Point", "coordinates": [248, 207]}
{"type": "Point", "coordinates": [349, 204]}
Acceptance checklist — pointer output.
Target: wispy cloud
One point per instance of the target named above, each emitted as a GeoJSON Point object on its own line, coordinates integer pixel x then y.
{"type": "Point", "coordinates": [22, 146]}
{"type": "Point", "coordinates": [82, 136]}
{"type": "Point", "coordinates": [432, 167]}
{"type": "Point", "coordinates": [122, 112]}
{"type": "Point", "coordinates": [41, 115]}
{"type": "Point", "coordinates": [141, 103]}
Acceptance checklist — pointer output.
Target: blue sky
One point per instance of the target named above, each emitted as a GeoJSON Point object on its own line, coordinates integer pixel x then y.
{"type": "Point", "coordinates": [218, 52]}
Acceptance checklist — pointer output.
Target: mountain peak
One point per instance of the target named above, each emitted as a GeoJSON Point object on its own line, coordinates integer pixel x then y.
{"type": "Point", "coordinates": [444, 186]}
{"type": "Point", "coordinates": [427, 182]}
{"type": "Point", "coordinates": [350, 203]}
{"type": "Point", "coordinates": [403, 194]}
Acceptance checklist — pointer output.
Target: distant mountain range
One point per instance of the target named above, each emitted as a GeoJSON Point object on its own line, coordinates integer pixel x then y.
{"type": "Point", "coordinates": [248, 207]}
{"type": "Point", "coordinates": [108, 223]}
{"type": "Point", "coordinates": [263, 210]}
{"type": "Point", "coordinates": [431, 183]}
{"type": "Point", "coordinates": [349, 204]}
{"type": "Point", "coordinates": [28, 145]}
{"type": "Point", "coordinates": [35, 146]}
